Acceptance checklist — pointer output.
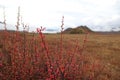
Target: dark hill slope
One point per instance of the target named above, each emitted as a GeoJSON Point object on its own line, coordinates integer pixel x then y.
{"type": "Point", "coordinates": [77, 30]}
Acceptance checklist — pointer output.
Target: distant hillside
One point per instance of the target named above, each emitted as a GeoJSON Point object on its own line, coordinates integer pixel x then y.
{"type": "Point", "coordinates": [77, 30]}
{"type": "Point", "coordinates": [12, 31]}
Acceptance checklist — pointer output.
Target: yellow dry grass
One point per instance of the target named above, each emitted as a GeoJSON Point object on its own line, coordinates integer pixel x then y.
{"type": "Point", "coordinates": [105, 48]}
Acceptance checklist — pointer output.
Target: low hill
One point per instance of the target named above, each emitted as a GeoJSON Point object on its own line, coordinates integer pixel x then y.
{"type": "Point", "coordinates": [77, 30]}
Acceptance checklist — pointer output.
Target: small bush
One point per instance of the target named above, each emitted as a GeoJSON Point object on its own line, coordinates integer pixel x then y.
{"type": "Point", "coordinates": [76, 31]}
{"type": "Point", "coordinates": [32, 58]}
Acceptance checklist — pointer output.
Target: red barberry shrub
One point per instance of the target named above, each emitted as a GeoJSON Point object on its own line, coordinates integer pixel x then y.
{"type": "Point", "coordinates": [31, 56]}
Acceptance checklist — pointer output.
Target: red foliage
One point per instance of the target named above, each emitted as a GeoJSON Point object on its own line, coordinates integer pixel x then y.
{"type": "Point", "coordinates": [26, 58]}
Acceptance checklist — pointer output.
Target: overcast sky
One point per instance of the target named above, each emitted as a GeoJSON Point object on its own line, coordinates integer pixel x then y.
{"type": "Point", "coordinates": [96, 14]}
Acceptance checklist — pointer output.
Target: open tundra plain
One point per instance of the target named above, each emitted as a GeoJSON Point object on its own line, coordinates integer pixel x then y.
{"type": "Point", "coordinates": [37, 56]}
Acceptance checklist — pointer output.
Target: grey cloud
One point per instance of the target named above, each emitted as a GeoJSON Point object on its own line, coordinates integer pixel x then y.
{"type": "Point", "coordinates": [2, 6]}
{"type": "Point", "coordinates": [1, 22]}
{"type": "Point", "coordinates": [115, 23]}
{"type": "Point", "coordinates": [118, 6]}
{"type": "Point", "coordinates": [50, 30]}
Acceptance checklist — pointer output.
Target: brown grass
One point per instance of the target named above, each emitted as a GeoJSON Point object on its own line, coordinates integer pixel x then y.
{"type": "Point", "coordinates": [103, 49]}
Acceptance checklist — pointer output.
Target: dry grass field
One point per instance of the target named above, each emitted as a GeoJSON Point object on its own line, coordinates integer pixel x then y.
{"type": "Point", "coordinates": [101, 52]}
{"type": "Point", "coordinates": [102, 47]}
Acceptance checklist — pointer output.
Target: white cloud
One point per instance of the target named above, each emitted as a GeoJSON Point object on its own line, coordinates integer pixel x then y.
{"type": "Point", "coordinates": [49, 12]}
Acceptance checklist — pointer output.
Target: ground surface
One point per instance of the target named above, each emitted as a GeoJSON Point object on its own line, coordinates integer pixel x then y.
{"type": "Point", "coordinates": [100, 47]}
{"type": "Point", "coordinates": [103, 47]}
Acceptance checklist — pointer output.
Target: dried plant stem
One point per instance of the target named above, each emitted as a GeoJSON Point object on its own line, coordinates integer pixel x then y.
{"type": "Point", "coordinates": [4, 19]}
{"type": "Point", "coordinates": [61, 44]}
{"type": "Point", "coordinates": [18, 19]}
